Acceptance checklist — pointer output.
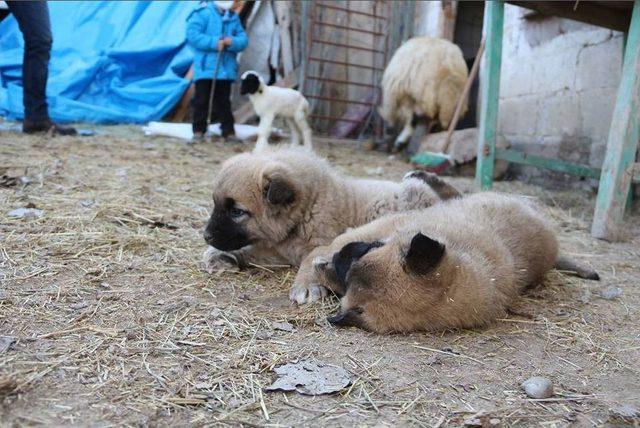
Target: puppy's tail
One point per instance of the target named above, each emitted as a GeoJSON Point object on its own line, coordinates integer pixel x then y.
{"type": "Point", "coordinates": [573, 267]}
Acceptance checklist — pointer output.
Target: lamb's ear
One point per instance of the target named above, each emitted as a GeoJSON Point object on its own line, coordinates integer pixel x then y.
{"type": "Point", "coordinates": [278, 189]}
{"type": "Point", "coordinates": [349, 318]}
{"type": "Point", "coordinates": [424, 254]}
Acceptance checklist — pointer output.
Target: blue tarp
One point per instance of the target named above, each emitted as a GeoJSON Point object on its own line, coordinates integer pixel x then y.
{"type": "Point", "coordinates": [111, 62]}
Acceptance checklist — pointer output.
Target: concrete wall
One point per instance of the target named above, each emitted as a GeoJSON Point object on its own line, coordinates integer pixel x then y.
{"type": "Point", "coordinates": [558, 86]}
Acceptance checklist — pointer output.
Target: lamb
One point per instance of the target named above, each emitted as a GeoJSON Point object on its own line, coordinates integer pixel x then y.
{"type": "Point", "coordinates": [271, 101]}
{"type": "Point", "coordinates": [425, 77]}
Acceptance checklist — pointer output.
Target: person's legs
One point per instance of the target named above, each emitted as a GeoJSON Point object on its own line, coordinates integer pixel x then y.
{"type": "Point", "coordinates": [33, 20]}
{"type": "Point", "coordinates": [222, 101]}
{"type": "Point", "coordinates": [200, 105]}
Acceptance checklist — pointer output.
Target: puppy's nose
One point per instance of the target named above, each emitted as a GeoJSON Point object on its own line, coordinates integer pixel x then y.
{"type": "Point", "coordinates": [207, 235]}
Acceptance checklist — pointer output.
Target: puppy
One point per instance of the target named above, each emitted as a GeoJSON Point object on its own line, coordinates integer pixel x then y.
{"type": "Point", "coordinates": [277, 205]}
{"type": "Point", "coordinates": [271, 101]}
{"type": "Point", "coordinates": [459, 264]}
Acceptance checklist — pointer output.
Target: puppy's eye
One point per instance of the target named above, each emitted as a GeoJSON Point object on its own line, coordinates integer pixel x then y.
{"type": "Point", "coordinates": [237, 212]}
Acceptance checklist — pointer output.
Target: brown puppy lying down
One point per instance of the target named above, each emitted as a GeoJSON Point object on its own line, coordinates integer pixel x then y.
{"type": "Point", "coordinates": [458, 264]}
{"type": "Point", "coordinates": [277, 205]}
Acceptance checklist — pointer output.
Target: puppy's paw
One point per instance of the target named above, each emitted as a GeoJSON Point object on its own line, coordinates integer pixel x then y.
{"type": "Point", "coordinates": [309, 293]}
{"type": "Point", "coordinates": [443, 189]}
{"type": "Point", "coordinates": [214, 260]}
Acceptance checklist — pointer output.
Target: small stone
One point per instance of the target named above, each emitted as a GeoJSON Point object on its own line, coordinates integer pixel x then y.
{"type": "Point", "coordinates": [283, 326]}
{"type": "Point", "coordinates": [626, 412]}
{"type": "Point", "coordinates": [25, 213]}
{"type": "Point", "coordinates": [264, 335]}
{"type": "Point", "coordinates": [87, 203]}
{"type": "Point", "coordinates": [611, 293]}
{"type": "Point", "coordinates": [5, 343]}
{"type": "Point", "coordinates": [369, 145]}
{"type": "Point", "coordinates": [585, 297]}
{"type": "Point", "coordinates": [538, 387]}
{"type": "Point", "coordinates": [375, 171]}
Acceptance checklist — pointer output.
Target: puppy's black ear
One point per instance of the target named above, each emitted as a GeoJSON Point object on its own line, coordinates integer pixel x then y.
{"type": "Point", "coordinates": [279, 190]}
{"type": "Point", "coordinates": [348, 318]}
{"type": "Point", "coordinates": [424, 254]}
{"type": "Point", "coordinates": [343, 259]}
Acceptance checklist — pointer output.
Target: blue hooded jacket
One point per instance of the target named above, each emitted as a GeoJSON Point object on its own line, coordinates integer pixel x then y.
{"type": "Point", "coordinates": [205, 26]}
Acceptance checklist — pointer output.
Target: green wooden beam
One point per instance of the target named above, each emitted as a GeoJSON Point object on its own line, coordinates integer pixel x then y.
{"type": "Point", "coordinates": [558, 165]}
{"type": "Point", "coordinates": [489, 93]}
{"type": "Point", "coordinates": [618, 166]}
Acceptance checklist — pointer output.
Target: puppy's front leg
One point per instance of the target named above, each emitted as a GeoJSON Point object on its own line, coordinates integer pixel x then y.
{"type": "Point", "coordinates": [307, 287]}
{"type": "Point", "coordinates": [214, 260]}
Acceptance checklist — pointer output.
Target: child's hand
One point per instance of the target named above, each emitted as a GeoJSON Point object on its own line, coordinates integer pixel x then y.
{"type": "Point", "coordinates": [223, 43]}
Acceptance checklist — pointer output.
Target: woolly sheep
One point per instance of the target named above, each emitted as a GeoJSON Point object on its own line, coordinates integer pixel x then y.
{"type": "Point", "coordinates": [424, 78]}
{"type": "Point", "coordinates": [271, 101]}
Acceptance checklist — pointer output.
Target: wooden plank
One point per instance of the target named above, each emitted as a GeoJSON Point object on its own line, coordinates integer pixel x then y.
{"type": "Point", "coordinates": [619, 160]}
{"type": "Point", "coordinates": [515, 156]}
{"type": "Point", "coordinates": [181, 109]}
{"type": "Point", "coordinates": [283, 13]}
{"type": "Point", "coordinates": [449, 13]}
{"type": "Point", "coordinates": [489, 93]}
{"type": "Point", "coordinates": [584, 11]}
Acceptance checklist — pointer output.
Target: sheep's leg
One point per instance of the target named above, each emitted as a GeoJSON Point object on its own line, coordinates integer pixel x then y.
{"type": "Point", "coordinates": [264, 130]}
{"type": "Point", "coordinates": [403, 139]}
{"type": "Point", "coordinates": [300, 119]}
{"type": "Point", "coordinates": [295, 133]}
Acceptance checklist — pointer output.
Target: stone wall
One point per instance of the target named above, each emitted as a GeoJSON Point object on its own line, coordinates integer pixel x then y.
{"type": "Point", "coordinates": [558, 86]}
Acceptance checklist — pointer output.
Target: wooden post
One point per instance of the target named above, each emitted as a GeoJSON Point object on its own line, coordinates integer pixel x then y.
{"type": "Point", "coordinates": [617, 169]}
{"type": "Point", "coordinates": [283, 12]}
{"type": "Point", "coordinates": [489, 93]}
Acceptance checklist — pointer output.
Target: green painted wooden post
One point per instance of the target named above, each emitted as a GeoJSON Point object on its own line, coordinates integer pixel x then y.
{"type": "Point", "coordinates": [489, 93]}
{"type": "Point", "coordinates": [617, 169]}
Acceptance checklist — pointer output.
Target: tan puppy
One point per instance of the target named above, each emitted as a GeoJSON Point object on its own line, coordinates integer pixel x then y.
{"type": "Point", "coordinates": [279, 204]}
{"type": "Point", "coordinates": [459, 264]}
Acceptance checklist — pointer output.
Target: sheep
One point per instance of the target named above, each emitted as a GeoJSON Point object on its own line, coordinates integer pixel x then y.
{"type": "Point", "coordinates": [424, 78]}
{"type": "Point", "coordinates": [271, 101]}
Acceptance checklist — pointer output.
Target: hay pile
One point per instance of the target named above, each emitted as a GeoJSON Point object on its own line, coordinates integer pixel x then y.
{"type": "Point", "coordinates": [106, 316]}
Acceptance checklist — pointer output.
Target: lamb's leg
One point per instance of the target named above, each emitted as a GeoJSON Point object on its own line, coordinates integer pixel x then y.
{"type": "Point", "coordinates": [264, 130]}
{"type": "Point", "coordinates": [402, 141]}
{"type": "Point", "coordinates": [300, 119]}
{"type": "Point", "coordinates": [295, 134]}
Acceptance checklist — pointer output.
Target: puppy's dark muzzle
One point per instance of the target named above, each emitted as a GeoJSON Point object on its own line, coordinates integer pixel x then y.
{"type": "Point", "coordinates": [225, 241]}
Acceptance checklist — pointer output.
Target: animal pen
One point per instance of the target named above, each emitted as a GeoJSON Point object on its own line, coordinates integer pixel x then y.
{"type": "Point", "coordinates": [107, 316]}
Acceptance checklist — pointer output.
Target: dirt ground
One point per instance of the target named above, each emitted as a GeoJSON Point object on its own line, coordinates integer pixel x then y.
{"type": "Point", "coordinates": [108, 320]}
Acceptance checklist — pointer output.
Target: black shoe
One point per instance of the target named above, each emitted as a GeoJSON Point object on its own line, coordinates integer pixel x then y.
{"type": "Point", "coordinates": [198, 137]}
{"type": "Point", "coordinates": [34, 127]}
{"type": "Point", "coordinates": [231, 138]}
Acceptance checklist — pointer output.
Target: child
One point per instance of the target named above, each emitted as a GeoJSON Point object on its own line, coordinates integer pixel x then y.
{"type": "Point", "coordinates": [215, 33]}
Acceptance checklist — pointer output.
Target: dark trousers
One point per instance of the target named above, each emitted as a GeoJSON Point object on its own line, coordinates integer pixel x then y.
{"type": "Point", "coordinates": [33, 20]}
{"type": "Point", "coordinates": [221, 106]}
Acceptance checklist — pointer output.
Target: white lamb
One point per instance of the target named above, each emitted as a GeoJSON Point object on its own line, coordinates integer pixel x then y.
{"type": "Point", "coordinates": [271, 101]}
{"type": "Point", "coordinates": [424, 78]}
